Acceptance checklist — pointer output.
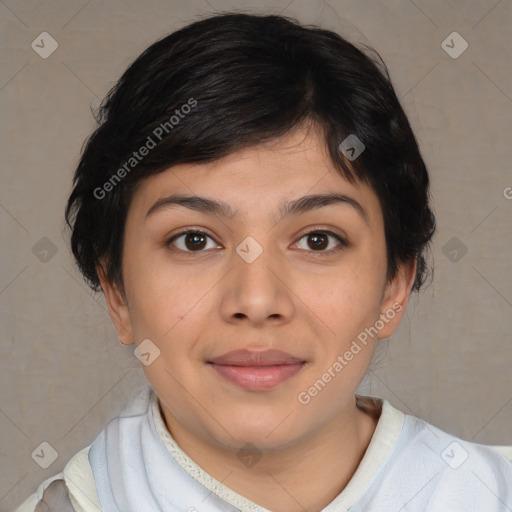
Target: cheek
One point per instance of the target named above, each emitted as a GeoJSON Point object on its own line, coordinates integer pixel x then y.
{"type": "Point", "coordinates": [161, 297]}
{"type": "Point", "coordinates": [345, 304]}
{"type": "Point", "coordinates": [350, 294]}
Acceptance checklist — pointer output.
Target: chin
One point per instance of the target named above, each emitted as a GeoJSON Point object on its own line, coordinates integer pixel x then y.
{"type": "Point", "coordinates": [266, 434]}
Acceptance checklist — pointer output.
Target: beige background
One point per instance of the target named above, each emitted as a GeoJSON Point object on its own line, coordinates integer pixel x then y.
{"type": "Point", "coordinates": [64, 374]}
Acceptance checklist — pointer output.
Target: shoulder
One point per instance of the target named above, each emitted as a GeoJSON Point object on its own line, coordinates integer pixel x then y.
{"type": "Point", "coordinates": [73, 489]}
{"type": "Point", "coordinates": [456, 472]}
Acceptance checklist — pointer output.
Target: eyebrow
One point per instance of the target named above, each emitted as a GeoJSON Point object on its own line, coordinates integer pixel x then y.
{"type": "Point", "coordinates": [297, 206]}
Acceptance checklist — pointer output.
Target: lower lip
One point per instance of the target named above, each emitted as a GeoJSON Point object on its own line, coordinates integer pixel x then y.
{"type": "Point", "coordinates": [256, 378]}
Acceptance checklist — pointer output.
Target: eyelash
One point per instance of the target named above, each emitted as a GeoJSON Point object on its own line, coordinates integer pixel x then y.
{"type": "Point", "coordinates": [342, 245]}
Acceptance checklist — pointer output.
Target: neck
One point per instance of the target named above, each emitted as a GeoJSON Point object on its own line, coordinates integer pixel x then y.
{"type": "Point", "coordinates": [281, 480]}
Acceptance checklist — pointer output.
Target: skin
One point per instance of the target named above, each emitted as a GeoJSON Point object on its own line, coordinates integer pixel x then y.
{"type": "Point", "coordinates": [200, 304]}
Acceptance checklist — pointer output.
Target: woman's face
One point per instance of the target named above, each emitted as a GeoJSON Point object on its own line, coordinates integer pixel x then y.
{"type": "Point", "coordinates": [254, 280]}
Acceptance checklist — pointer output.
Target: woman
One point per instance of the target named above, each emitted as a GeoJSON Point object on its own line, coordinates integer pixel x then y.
{"type": "Point", "coordinates": [255, 208]}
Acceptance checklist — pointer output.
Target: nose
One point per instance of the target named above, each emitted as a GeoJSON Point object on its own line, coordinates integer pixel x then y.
{"type": "Point", "coordinates": [257, 290]}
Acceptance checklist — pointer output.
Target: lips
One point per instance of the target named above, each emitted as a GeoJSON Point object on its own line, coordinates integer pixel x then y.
{"type": "Point", "coordinates": [257, 371]}
{"type": "Point", "coordinates": [253, 358]}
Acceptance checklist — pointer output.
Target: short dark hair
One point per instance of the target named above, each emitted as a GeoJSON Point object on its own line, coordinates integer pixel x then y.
{"type": "Point", "coordinates": [247, 79]}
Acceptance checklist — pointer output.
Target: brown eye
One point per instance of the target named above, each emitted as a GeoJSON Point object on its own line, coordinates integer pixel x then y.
{"type": "Point", "coordinates": [318, 241]}
{"type": "Point", "coordinates": [193, 241]}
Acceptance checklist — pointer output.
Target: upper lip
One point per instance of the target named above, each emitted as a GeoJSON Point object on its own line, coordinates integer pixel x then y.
{"type": "Point", "coordinates": [255, 358]}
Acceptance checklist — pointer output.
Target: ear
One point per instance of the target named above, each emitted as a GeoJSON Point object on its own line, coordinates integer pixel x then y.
{"type": "Point", "coordinates": [117, 307]}
{"type": "Point", "coordinates": [395, 298]}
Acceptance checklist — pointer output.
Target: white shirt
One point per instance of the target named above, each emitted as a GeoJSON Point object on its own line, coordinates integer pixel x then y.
{"type": "Point", "coordinates": [409, 466]}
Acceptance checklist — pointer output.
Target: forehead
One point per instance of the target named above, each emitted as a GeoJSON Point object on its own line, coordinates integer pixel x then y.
{"type": "Point", "coordinates": [258, 178]}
